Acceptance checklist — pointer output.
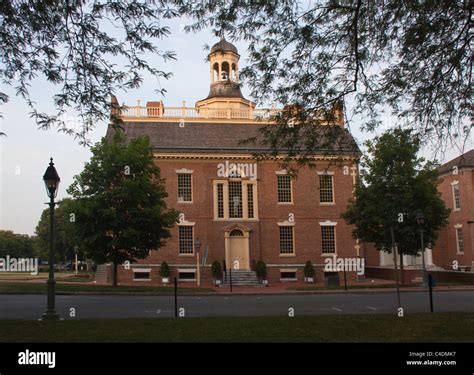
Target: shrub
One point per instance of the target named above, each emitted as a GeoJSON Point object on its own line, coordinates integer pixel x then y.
{"type": "Point", "coordinates": [261, 269]}
{"type": "Point", "coordinates": [216, 270]}
{"type": "Point", "coordinates": [308, 269]}
{"type": "Point", "coordinates": [164, 269]}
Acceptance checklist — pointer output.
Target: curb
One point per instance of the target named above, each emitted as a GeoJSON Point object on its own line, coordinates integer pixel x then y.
{"type": "Point", "coordinates": [237, 293]}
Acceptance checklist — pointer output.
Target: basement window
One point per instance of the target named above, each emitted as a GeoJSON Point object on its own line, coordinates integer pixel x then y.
{"type": "Point", "coordinates": [141, 274]}
{"type": "Point", "coordinates": [187, 274]}
{"type": "Point", "coordinates": [288, 275]}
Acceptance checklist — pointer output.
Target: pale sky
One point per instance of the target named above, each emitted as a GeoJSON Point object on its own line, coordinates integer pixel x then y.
{"type": "Point", "coordinates": [25, 152]}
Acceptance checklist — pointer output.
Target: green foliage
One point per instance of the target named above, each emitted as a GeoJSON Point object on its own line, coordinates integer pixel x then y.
{"type": "Point", "coordinates": [397, 182]}
{"type": "Point", "coordinates": [16, 245]}
{"type": "Point", "coordinates": [261, 269]}
{"type": "Point", "coordinates": [119, 201]}
{"type": "Point", "coordinates": [164, 269]}
{"type": "Point", "coordinates": [216, 270]}
{"type": "Point", "coordinates": [308, 269]}
{"type": "Point", "coordinates": [413, 57]}
{"type": "Point", "coordinates": [70, 44]}
{"type": "Point", "coordinates": [66, 238]}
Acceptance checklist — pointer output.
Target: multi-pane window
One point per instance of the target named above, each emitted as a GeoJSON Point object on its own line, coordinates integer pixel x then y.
{"type": "Point", "coordinates": [250, 201]}
{"type": "Point", "coordinates": [459, 240]}
{"type": "Point", "coordinates": [220, 201]}
{"type": "Point", "coordinates": [184, 187]}
{"type": "Point", "coordinates": [235, 199]}
{"type": "Point", "coordinates": [284, 189]}
{"type": "Point", "coordinates": [286, 240]}
{"type": "Point", "coordinates": [328, 240]}
{"type": "Point", "coordinates": [326, 188]}
{"type": "Point", "coordinates": [185, 239]}
{"type": "Point", "coordinates": [456, 197]}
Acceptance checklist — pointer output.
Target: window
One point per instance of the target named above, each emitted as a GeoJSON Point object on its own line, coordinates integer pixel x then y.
{"type": "Point", "coordinates": [286, 240]}
{"type": "Point", "coordinates": [184, 187]}
{"type": "Point", "coordinates": [186, 239]}
{"type": "Point", "coordinates": [220, 201]}
{"type": "Point", "coordinates": [250, 201]}
{"type": "Point", "coordinates": [328, 240]}
{"type": "Point", "coordinates": [141, 275]}
{"type": "Point", "coordinates": [288, 275]}
{"type": "Point", "coordinates": [187, 275]}
{"type": "Point", "coordinates": [326, 188]}
{"type": "Point", "coordinates": [284, 189]}
{"type": "Point", "coordinates": [456, 197]}
{"type": "Point", "coordinates": [459, 241]}
{"type": "Point", "coordinates": [235, 199]}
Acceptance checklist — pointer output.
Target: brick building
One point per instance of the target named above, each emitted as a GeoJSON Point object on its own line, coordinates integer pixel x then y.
{"type": "Point", "coordinates": [455, 245]}
{"type": "Point", "coordinates": [234, 208]}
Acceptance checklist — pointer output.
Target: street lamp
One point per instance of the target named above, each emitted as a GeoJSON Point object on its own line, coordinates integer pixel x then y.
{"type": "Point", "coordinates": [420, 219]}
{"type": "Point", "coordinates": [51, 181]}
{"type": "Point", "coordinates": [197, 245]}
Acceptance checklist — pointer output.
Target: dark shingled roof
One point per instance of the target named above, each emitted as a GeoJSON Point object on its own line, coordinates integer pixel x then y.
{"type": "Point", "coordinates": [224, 46]}
{"type": "Point", "coordinates": [226, 89]}
{"type": "Point", "coordinates": [465, 160]}
{"type": "Point", "coordinates": [212, 137]}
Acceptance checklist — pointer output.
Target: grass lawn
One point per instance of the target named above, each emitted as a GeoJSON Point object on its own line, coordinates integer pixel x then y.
{"type": "Point", "coordinates": [28, 275]}
{"type": "Point", "coordinates": [438, 327]}
{"type": "Point", "coordinates": [36, 288]}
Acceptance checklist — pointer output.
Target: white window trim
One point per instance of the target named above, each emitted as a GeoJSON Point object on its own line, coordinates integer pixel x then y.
{"type": "Point", "coordinates": [141, 270]}
{"type": "Point", "coordinates": [289, 270]}
{"type": "Point", "coordinates": [188, 270]}
{"type": "Point", "coordinates": [190, 172]}
{"type": "Point", "coordinates": [453, 185]}
{"type": "Point", "coordinates": [333, 203]}
{"type": "Point", "coordinates": [328, 223]}
{"type": "Point", "coordinates": [184, 171]}
{"type": "Point", "coordinates": [282, 172]}
{"type": "Point", "coordinates": [456, 227]}
{"type": "Point", "coordinates": [322, 173]}
{"type": "Point", "coordinates": [186, 223]}
{"type": "Point", "coordinates": [286, 223]}
{"type": "Point", "coordinates": [225, 192]}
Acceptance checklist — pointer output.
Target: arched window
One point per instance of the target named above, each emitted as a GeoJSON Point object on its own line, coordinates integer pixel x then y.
{"type": "Point", "coordinates": [225, 71]}
{"type": "Point", "coordinates": [215, 72]}
{"type": "Point", "coordinates": [234, 72]}
{"type": "Point", "coordinates": [236, 233]}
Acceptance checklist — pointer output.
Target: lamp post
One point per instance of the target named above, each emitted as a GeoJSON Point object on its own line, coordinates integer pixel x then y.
{"type": "Point", "coordinates": [51, 181]}
{"type": "Point", "coordinates": [420, 219]}
{"type": "Point", "coordinates": [197, 245]}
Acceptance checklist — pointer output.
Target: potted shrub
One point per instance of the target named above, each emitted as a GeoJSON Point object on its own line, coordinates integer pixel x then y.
{"type": "Point", "coordinates": [308, 272]}
{"type": "Point", "coordinates": [165, 272]}
{"type": "Point", "coordinates": [216, 271]}
{"type": "Point", "coordinates": [261, 271]}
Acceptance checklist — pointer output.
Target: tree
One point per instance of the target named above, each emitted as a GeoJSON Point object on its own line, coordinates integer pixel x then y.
{"type": "Point", "coordinates": [66, 238]}
{"type": "Point", "coordinates": [16, 245]}
{"type": "Point", "coordinates": [410, 57]}
{"type": "Point", "coordinates": [396, 186]}
{"type": "Point", "coordinates": [121, 214]}
{"type": "Point", "coordinates": [88, 49]}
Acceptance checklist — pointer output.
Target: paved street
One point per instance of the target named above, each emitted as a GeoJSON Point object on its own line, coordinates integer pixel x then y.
{"type": "Point", "coordinates": [32, 306]}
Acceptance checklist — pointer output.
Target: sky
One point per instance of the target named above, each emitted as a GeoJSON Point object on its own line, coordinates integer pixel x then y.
{"type": "Point", "coordinates": [25, 152]}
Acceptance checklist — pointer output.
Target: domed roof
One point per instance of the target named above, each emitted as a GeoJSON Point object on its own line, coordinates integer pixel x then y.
{"type": "Point", "coordinates": [225, 89]}
{"type": "Point", "coordinates": [224, 46]}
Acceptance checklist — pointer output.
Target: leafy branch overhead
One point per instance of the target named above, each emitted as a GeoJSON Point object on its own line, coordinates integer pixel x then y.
{"type": "Point", "coordinates": [70, 44]}
{"type": "Point", "coordinates": [410, 56]}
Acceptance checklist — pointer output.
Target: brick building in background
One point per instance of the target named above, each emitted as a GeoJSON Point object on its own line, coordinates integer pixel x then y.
{"type": "Point", "coordinates": [455, 245]}
{"type": "Point", "coordinates": [454, 248]}
{"type": "Point", "coordinates": [233, 208]}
